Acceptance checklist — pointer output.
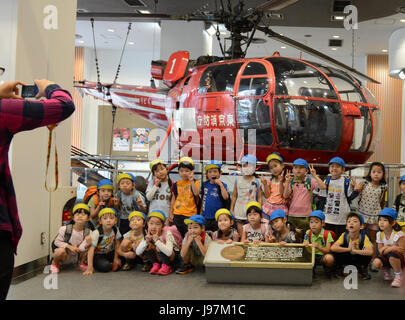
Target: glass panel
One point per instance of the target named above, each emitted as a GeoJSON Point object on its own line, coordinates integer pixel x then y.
{"type": "Point", "coordinates": [376, 129]}
{"type": "Point", "coordinates": [303, 124]}
{"type": "Point", "coordinates": [295, 78]}
{"type": "Point", "coordinates": [370, 97]}
{"type": "Point", "coordinates": [253, 86]}
{"type": "Point", "coordinates": [255, 114]}
{"type": "Point", "coordinates": [219, 78]}
{"type": "Point", "coordinates": [254, 68]}
{"type": "Point", "coordinates": [362, 131]}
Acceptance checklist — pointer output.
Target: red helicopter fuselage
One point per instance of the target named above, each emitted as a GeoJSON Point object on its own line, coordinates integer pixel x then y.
{"type": "Point", "coordinates": [297, 108]}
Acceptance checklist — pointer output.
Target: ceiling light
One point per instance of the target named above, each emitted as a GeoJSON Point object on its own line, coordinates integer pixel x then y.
{"type": "Point", "coordinates": [334, 49]}
{"type": "Point", "coordinates": [384, 50]}
{"type": "Point", "coordinates": [402, 20]}
{"type": "Point", "coordinates": [283, 47]}
{"type": "Point", "coordinates": [110, 30]}
{"type": "Point", "coordinates": [80, 41]}
{"type": "Point", "coordinates": [401, 74]}
{"type": "Point", "coordinates": [131, 43]}
{"type": "Point", "coordinates": [144, 11]}
{"type": "Point", "coordinates": [336, 37]}
{"type": "Point", "coordinates": [337, 18]}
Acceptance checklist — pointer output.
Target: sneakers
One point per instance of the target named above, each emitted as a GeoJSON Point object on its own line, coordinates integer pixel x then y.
{"type": "Point", "coordinates": [397, 281]}
{"type": "Point", "coordinates": [155, 268]}
{"type": "Point", "coordinates": [387, 275]}
{"type": "Point", "coordinates": [185, 269]}
{"type": "Point", "coordinates": [82, 266]}
{"type": "Point", "coordinates": [165, 270]}
{"type": "Point", "coordinates": [146, 267]}
{"type": "Point", "coordinates": [126, 267]}
{"type": "Point", "coordinates": [54, 268]}
{"type": "Point", "coordinates": [363, 273]}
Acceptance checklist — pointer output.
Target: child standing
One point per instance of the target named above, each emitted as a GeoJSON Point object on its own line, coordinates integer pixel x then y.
{"type": "Point", "coordinates": [128, 199]}
{"type": "Point", "coordinates": [225, 233]}
{"type": "Point", "coordinates": [159, 246]}
{"type": "Point", "coordinates": [391, 246]}
{"type": "Point", "coordinates": [338, 195]}
{"type": "Point", "coordinates": [273, 197]}
{"type": "Point", "coordinates": [321, 240]}
{"type": "Point", "coordinates": [353, 247]}
{"type": "Point", "coordinates": [246, 189]}
{"type": "Point", "coordinates": [195, 244]}
{"type": "Point", "coordinates": [185, 195]}
{"type": "Point", "coordinates": [373, 194]}
{"type": "Point", "coordinates": [73, 240]}
{"type": "Point", "coordinates": [255, 231]}
{"type": "Point", "coordinates": [300, 191]}
{"type": "Point", "coordinates": [127, 249]}
{"type": "Point", "coordinates": [103, 253]}
{"type": "Point", "coordinates": [399, 203]}
{"type": "Point", "coordinates": [102, 199]}
{"type": "Point", "coordinates": [214, 194]}
{"type": "Point", "coordinates": [283, 231]}
{"type": "Point", "coordinates": [159, 192]}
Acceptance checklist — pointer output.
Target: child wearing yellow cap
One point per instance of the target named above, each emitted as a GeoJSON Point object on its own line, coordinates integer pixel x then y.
{"type": "Point", "coordinates": [105, 241]}
{"type": "Point", "coordinates": [73, 240]}
{"type": "Point", "coordinates": [226, 232]}
{"type": "Point", "coordinates": [255, 230]}
{"type": "Point", "coordinates": [102, 199]}
{"type": "Point", "coordinates": [131, 239]}
{"type": "Point", "coordinates": [185, 195]}
{"type": "Point", "coordinates": [127, 200]}
{"type": "Point", "coordinates": [158, 191]}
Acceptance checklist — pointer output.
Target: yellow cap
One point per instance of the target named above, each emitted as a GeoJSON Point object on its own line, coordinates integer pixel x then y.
{"type": "Point", "coordinates": [253, 204]}
{"type": "Point", "coordinates": [274, 156]}
{"type": "Point", "coordinates": [81, 206]}
{"type": "Point", "coordinates": [223, 211]}
{"type": "Point", "coordinates": [136, 214]}
{"type": "Point", "coordinates": [154, 162]}
{"type": "Point", "coordinates": [186, 159]}
{"type": "Point", "coordinates": [125, 176]}
{"type": "Point", "coordinates": [106, 210]}
{"type": "Point", "coordinates": [158, 214]}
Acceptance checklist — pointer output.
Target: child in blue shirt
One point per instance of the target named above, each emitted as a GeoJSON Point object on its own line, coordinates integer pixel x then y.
{"type": "Point", "coordinates": [214, 194]}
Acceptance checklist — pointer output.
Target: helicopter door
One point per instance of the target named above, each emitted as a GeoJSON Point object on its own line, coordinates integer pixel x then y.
{"type": "Point", "coordinates": [253, 111]}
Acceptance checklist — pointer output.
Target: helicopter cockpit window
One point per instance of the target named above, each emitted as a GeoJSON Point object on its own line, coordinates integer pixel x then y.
{"type": "Point", "coordinates": [362, 131]}
{"type": "Point", "coordinates": [295, 78]}
{"type": "Point", "coordinates": [370, 97]}
{"type": "Point", "coordinates": [219, 78]}
{"type": "Point", "coordinates": [305, 124]}
{"type": "Point", "coordinates": [254, 68]}
{"type": "Point", "coordinates": [253, 86]}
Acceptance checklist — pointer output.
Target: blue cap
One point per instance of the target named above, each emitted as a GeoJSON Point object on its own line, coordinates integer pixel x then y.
{"type": "Point", "coordinates": [213, 164]}
{"type": "Point", "coordinates": [319, 214]}
{"type": "Point", "coordinates": [389, 212]}
{"type": "Point", "coordinates": [357, 214]}
{"type": "Point", "coordinates": [402, 178]}
{"type": "Point", "coordinates": [249, 158]}
{"type": "Point", "coordinates": [279, 213]}
{"type": "Point", "coordinates": [338, 161]}
{"type": "Point", "coordinates": [300, 162]}
{"type": "Point", "coordinates": [105, 184]}
{"type": "Point", "coordinates": [197, 218]}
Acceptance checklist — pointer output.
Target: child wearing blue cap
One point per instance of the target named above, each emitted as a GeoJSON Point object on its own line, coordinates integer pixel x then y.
{"type": "Point", "coordinates": [273, 197]}
{"type": "Point", "coordinates": [299, 189]}
{"type": "Point", "coordinates": [337, 196]}
{"type": "Point", "coordinates": [103, 198]}
{"type": "Point", "coordinates": [214, 194]}
{"type": "Point", "coordinates": [195, 244]}
{"type": "Point", "coordinates": [127, 200]}
{"type": "Point", "coordinates": [131, 239]}
{"type": "Point", "coordinates": [284, 231]}
{"type": "Point", "coordinates": [391, 246]}
{"type": "Point", "coordinates": [105, 241]}
{"type": "Point", "coordinates": [225, 233]}
{"type": "Point", "coordinates": [399, 203]}
{"type": "Point", "coordinates": [246, 188]}
{"type": "Point", "coordinates": [321, 240]}
{"type": "Point", "coordinates": [353, 247]}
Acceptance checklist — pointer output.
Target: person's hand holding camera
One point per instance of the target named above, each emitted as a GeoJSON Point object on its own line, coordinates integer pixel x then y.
{"type": "Point", "coordinates": [42, 84]}
{"type": "Point", "coordinates": [9, 90]}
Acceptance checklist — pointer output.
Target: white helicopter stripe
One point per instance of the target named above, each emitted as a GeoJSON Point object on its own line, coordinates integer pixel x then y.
{"type": "Point", "coordinates": [141, 93]}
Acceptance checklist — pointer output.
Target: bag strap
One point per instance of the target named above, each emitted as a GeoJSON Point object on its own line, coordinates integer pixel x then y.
{"type": "Point", "coordinates": [310, 235]}
{"type": "Point", "coordinates": [68, 232]}
{"type": "Point", "coordinates": [52, 133]}
{"type": "Point", "coordinates": [398, 201]}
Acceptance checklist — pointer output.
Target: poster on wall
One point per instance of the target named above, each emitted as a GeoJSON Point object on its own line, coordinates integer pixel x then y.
{"type": "Point", "coordinates": [121, 139]}
{"type": "Point", "coordinates": [140, 141]}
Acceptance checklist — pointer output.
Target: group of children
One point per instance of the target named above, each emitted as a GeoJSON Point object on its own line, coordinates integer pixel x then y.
{"type": "Point", "coordinates": [170, 227]}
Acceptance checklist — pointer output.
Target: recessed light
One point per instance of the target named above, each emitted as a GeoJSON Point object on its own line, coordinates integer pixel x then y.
{"type": "Point", "coordinates": [402, 20]}
{"type": "Point", "coordinates": [384, 50]}
{"type": "Point", "coordinates": [110, 30]}
{"type": "Point", "coordinates": [283, 47]}
{"type": "Point", "coordinates": [144, 11]}
{"type": "Point", "coordinates": [337, 18]}
{"type": "Point", "coordinates": [336, 37]}
{"type": "Point", "coordinates": [131, 43]}
{"type": "Point", "coordinates": [80, 41]}
{"type": "Point", "coordinates": [334, 49]}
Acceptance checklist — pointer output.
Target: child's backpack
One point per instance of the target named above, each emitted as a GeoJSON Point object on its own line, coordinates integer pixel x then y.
{"type": "Point", "coordinates": [196, 198]}
{"type": "Point", "coordinates": [176, 234]}
{"type": "Point", "coordinates": [90, 193]}
{"type": "Point", "coordinates": [307, 184]}
{"type": "Point", "coordinates": [68, 235]}
{"type": "Point", "coordinates": [398, 202]}
{"type": "Point", "coordinates": [401, 224]}
{"type": "Point", "coordinates": [362, 236]}
{"type": "Point", "coordinates": [101, 233]}
{"type": "Point", "coordinates": [325, 236]}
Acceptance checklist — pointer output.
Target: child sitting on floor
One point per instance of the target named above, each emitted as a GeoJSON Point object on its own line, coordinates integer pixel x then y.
{"type": "Point", "coordinates": [255, 231]}
{"type": "Point", "coordinates": [225, 233]}
{"type": "Point", "coordinates": [283, 231]}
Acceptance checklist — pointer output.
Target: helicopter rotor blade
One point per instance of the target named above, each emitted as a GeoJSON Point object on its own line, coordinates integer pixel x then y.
{"type": "Point", "coordinates": [278, 37]}
{"type": "Point", "coordinates": [275, 5]}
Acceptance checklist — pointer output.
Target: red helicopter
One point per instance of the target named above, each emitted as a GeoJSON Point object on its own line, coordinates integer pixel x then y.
{"type": "Point", "coordinates": [298, 108]}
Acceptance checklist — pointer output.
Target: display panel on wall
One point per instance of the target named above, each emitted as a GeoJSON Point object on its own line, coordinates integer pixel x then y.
{"type": "Point", "coordinates": [140, 141]}
{"type": "Point", "coordinates": [121, 139]}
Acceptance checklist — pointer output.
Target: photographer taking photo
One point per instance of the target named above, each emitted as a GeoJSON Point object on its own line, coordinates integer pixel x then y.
{"type": "Point", "coordinates": [17, 114]}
